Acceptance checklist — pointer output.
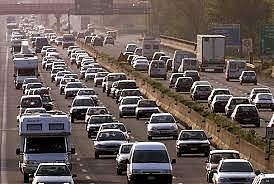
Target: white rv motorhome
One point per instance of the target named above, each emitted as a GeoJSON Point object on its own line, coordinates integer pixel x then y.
{"type": "Point", "coordinates": [43, 138]}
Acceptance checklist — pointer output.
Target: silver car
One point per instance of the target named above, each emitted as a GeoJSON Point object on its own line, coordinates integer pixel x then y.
{"type": "Point", "coordinates": [122, 156]}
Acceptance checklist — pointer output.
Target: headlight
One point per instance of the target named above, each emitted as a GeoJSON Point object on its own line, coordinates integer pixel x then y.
{"type": "Point", "coordinates": [136, 171]}
{"type": "Point", "coordinates": [152, 128]}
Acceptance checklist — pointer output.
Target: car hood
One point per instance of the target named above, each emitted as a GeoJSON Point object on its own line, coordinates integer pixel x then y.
{"type": "Point", "coordinates": [152, 167]}
{"type": "Point", "coordinates": [162, 125]}
{"type": "Point", "coordinates": [46, 179]}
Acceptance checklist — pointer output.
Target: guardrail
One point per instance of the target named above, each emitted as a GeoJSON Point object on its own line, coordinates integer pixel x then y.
{"type": "Point", "coordinates": [178, 44]}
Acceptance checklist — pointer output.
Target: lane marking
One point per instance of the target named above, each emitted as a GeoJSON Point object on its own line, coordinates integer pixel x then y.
{"type": "Point", "coordinates": [84, 170]}
{"type": "Point", "coordinates": [81, 165]}
{"type": "Point", "coordinates": [88, 177]}
{"type": "Point", "coordinates": [78, 159]}
{"type": "Point", "coordinates": [4, 178]}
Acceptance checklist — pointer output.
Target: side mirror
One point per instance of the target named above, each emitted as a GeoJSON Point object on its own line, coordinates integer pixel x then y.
{"type": "Point", "coordinates": [257, 172]}
{"type": "Point", "coordinates": [69, 106]}
{"type": "Point", "coordinates": [18, 106]}
{"type": "Point", "coordinates": [18, 151]}
{"type": "Point", "coordinates": [72, 151]}
{"type": "Point", "coordinates": [146, 122]}
{"type": "Point", "coordinates": [74, 175]}
{"type": "Point", "coordinates": [173, 161]}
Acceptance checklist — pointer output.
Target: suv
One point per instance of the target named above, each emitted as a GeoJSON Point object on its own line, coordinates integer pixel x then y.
{"type": "Point", "coordinates": [232, 102]}
{"type": "Point", "coordinates": [234, 171]}
{"type": "Point", "coordinates": [122, 156]}
{"type": "Point", "coordinates": [214, 158]}
{"type": "Point", "coordinates": [192, 141]}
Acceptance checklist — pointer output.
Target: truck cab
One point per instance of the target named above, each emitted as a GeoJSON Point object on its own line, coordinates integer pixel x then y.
{"type": "Point", "coordinates": [43, 138]}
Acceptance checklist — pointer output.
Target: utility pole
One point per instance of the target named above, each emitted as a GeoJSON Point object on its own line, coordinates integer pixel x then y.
{"type": "Point", "coordinates": [69, 21]}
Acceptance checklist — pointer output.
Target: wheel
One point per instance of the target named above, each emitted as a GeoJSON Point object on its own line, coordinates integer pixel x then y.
{"type": "Point", "coordinates": [137, 117]}
{"type": "Point", "coordinates": [96, 155]}
{"type": "Point", "coordinates": [60, 92]}
{"type": "Point", "coordinates": [66, 97]}
{"type": "Point", "coordinates": [165, 78]}
{"type": "Point", "coordinates": [121, 116]}
{"type": "Point", "coordinates": [86, 80]}
{"type": "Point", "coordinates": [107, 93]}
{"type": "Point", "coordinates": [118, 171]}
{"type": "Point", "coordinates": [178, 154]}
{"type": "Point", "coordinates": [104, 90]}
{"type": "Point", "coordinates": [241, 83]}
{"type": "Point", "coordinates": [258, 125]}
{"type": "Point", "coordinates": [255, 83]}
{"type": "Point", "coordinates": [149, 137]}
{"type": "Point", "coordinates": [17, 87]}
{"type": "Point", "coordinates": [89, 135]}
{"type": "Point", "coordinates": [227, 79]}
{"type": "Point", "coordinates": [95, 85]}
{"type": "Point", "coordinates": [72, 119]}
{"type": "Point", "coordinates": [26, 178]}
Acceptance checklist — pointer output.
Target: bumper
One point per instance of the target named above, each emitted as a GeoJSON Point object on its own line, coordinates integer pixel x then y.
{"type": "Point", "coordinates": [151, 178]}
{"type": "Point", "coordinates": [107, 151]}
{"type": "Point", "coordinates": [193, 149]}
{"type": "Point", "coordinates": [163, 133]}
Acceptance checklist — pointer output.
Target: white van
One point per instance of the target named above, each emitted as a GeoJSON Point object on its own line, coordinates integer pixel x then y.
{"type": "Point", "coordinates": [157, 69]}
{"type": "Point", "coordinates": [189, 64]}
{"type": "Point", "coordinates": [150, 46]}
{"type": "Point", "coordinates": [234, 69]}
{"type": "Point", "coordinates": [149, 162]}
{"type": "Point", "coordinates": [177, 59]}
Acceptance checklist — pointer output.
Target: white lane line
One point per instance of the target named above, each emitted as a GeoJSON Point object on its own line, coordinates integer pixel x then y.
{"type": "Point", "coordinates": [84, 170]}
{"type": "Point", "coordinates": [88, 177]}
{"type": "Point", "coordinates": [78, 159]}
{"type": "Point", "coordinates": [4, 178]}
{"type": "Point", "coordinates": [81, 165]}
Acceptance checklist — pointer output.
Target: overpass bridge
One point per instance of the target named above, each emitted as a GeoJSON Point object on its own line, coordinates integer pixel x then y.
{"type": "Point", "coordinates": [65, 8]}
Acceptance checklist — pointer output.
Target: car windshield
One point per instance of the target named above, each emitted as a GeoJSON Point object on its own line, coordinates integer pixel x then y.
{"type": "Point", "coordinates": [116, 77]}
{"type": "Point", "coordinates": [265, 97]}
{"type": "Point", "coordinates": [221, 92]}
{"type": "Point", "coordinates": [33, 110]}
{"type": "Point", "coordinates": [45, 144]}
{"type": "Point", "coordinates": [216, 157]}
{"type": "Point", "coordinates": [150, 156]}
{"type": "Point", "coordinates": [53, 170]}
{"type": "Point", "coordinates": [101, 74]}
{"type": "Point", "coordinates": [86, 92]}
{"type": "Point", "coordinates": [31, 102]}
{"type": "Point", "coordinates": [249, 74]}
{"type": "Point", "coordinates": [222, 98]}
{"type": "Point", "coordinates": [247, 110]}
{"type": "Point", "coordinates": [261, 91]}
{"type": "Point", "coordinates": [115, 126]}
{"type": "Point", "coordinates": [131, 93]}
{"type": "Point", "coordinates": [239, 101]}
{"type": "Point", "coordinates": [33, 85]}
{"type": "Point", "coordinates": [203, 88]}
{"type": "Point", "coordinates": [147, 103]}
{"type": "Point", "coordinates": [111, 136]}
{"type": "Point", "coordinates": [130, 101]}
{"type": "Point", "coordinates": [74, 85]}
{"type": "Point", "coordinates": [100, 119]}
{"type": "Point", "coordinates": [162, 119]}
{"type": "Point", "coordinates": [193, 135]}
{"type": "Point", "coordinates": [191, 74]}
{"type": "Point", "coordinates": [126, 148]}
{"type": "Point", "coordinates": [97, 111]}
{"type": "Point", "coordinates": [236, 167]}
{"type": "Point", "coordinates": [31, 80]}
{"type": "Point", "coordinates": [92, 70]}
{"type": "Point", "coordinates": [83, 102]}
{"type": "Point", "coordinates": [62, 73]}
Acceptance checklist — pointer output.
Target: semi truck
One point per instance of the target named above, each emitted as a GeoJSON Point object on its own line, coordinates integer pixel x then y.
{"type": "Point", "coordinates": [211, 53]}
{"type": "Point", "coordinates": [26, 67]}
{"type": "Point", "coordinates": [43, 138]}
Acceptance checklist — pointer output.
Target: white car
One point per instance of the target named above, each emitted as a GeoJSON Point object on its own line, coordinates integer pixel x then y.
{"type": "Point", "coordinates": [264, 101]}
{"type": "Point", "coordinates": [89, 92]}
{"type": "Point", "coordinates": [141, 65]}
{"type": "Point", "coordinates": [98, 79]}
{"type": "Point", "coordinates": [128, 105]}
{"type": "Point", "coordinates": [91, 72]}
{"type": "Point", "coordinates": [162, 125]}
{"type": "Point", "coordinates": [115, 125]}
{"type": "Point", "coordinates": [122, 156]}
{"type": "Point", "coordinates": [53, 173]}
{"type": "Point", "coordinates": [72, 88]}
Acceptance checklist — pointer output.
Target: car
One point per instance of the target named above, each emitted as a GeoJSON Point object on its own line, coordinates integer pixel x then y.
{"type": "Point", "coordinates": [234, 171]}
{"type": "Point", "coordinates": [97, 41]}
{"type": "Point", "coordinates": [232, 102]}
{"type": "Point", "coordinates": [108, 142]}
{"type": "Point", "coordinates": [111, 78]}
{"type": "Point", "coordinates": [193, 142]}
{"type": "Point", "coordinates": [47, 102]}
{"type": "Point", "coordinates": [54, 71]}
{"type": "Point", "coordinates": [183, 84]}
{"type": "Point", "coordinates": [128, 92]}
{"type": "Point", "coordinates": [58, 40]}
{"type": "Point", "coordinates": [72, 88]}
{"type": "Point", "coordinates": [122, 156]}
{"type": "Point", "coordinates": [96, 110]}
{"type": "Point", "coordinates": [264, 101]}
{"type": "Point", "coordinates": [116, 125]}
{"type": "Point", "coordinates": [63, 83]}
{"type": "Point", "coordinates": [193, 74]}
{"type": "Point", "coordinates": [29, 80]}
{"type": "Point", "coordinates": [173, 78]}
{"type": "Point", "coordinates": [145, 108]}
{"type": "Point", "coordinates": [219, 102]}
{"type": "Point", "coordinates": [131, 47]}
{"type": "Point", "coordinates": [44, 49]}
{"type": "Point", "coordinates": [84, 69]}
{"type": "Point", "coordinates": [200, 83]}
{"type": "Point", "coordinates": [254, 91]}
{"type": "Point", "coordinates": [69, 49]}
{"type": "Point", "coordinates": [201, 92]}
{"type": "Point", "coordinates": [79, 107]}
{"type": "Point", "coordinates": [79, 58]}
{"type": "Point", "coordinates": [91, 72]}
{"type": "Point", "coordinates": [118, 86]}
{"type": "Point", "coordinates": [29, 101]}
{"type": "Point", "coordinates": [217, 91]}
{"type": "Point", "coordinates": [141, 65]}
{"type": "Point", "coordinates": [34, 85]}
{"type": "Point", "coordinates": [90, 92]}
{"type": "Point", "coordinates": [128, 106]}
{"type": "Point", "coordinates": [162, 125]}
{"type": "Point", "coordinates": [60, 75]}
{"type": "Point", "coordinates": [214, 157]}
{"type": "Point", "coordinates": [108, 40]}
{"type": "Point", "coordinates": [98, 78]}
{"type": "Point", "coordinates": [95, 121]}
{"type": "Point", "coordinates": [53, 173]}
{"type": "Point", "coordinates": [263, 179]}
{"type": "Point", "coordinates": [246, 114]}
{"type": "Point", "coordinates": [248, 77]}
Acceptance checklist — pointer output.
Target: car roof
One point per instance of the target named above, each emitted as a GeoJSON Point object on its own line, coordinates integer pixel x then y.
{"type": "Point", "coordinates": [235, 160]}
{"type": "Point", "coordinates": [110, 130]}
{"type": "Point", "coordinates": [30, 96]}
{"type": "Point", "coordinates": [161, 114]}
{"type": "Point", "coordinates": [149, 146]}
{"type": "Point", "coordinates": [128, 97]}
{"type": "Point", "coordinates": [54, 163]}
{"type": "Point", "coordinates": [224, 151]}
{"type": "Point", "coordinates": [81, 97]}
{"type": "Point", "coordinates": [195, 130]}
{"type": "Point", "coordinates": [245, 105]}
{"type": "Point", "coordinates": [116, 123]}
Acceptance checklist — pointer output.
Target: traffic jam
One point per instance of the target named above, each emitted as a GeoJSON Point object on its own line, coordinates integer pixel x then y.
{"type": "Point", "coordinates": [45, 149]}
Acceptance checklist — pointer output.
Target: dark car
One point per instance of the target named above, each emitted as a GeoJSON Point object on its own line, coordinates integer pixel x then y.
{"type": "Point", "coordinates": [47, 102]}
{"type": "Point", "coordinates": [98, 41]}
{"type": "Point", "coordinates": [183, 84]}
{"type": "Point", "coordinates": [193, 74]}
{"type": "Point", "coordinates": [248, 77]}
{"type": "Point", "coordinates": [246, 114]}
{"type": "Point", "coordinates": [219, 102]}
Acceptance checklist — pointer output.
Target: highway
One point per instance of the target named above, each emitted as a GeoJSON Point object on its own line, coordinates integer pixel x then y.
{"type": "Point", "coordinates": [189, 169]}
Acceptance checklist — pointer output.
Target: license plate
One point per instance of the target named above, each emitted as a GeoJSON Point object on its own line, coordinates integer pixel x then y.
{"type": "Point", "coordinates": [193, 149]}
{"type": "Point", "coordinates": [151, 178]}
{"type": "Point", "coordinates": [163, 132]}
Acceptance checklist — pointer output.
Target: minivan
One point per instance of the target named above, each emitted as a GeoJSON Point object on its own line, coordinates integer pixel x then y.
{"type": "Point", "coordinates": [39, 43]}
{"type": "Point", "coordinates": [149, 162]}
{"type": "Point", "coordinates": [234, 69]}
{"type": "Point", "coordinates": [157, 69]}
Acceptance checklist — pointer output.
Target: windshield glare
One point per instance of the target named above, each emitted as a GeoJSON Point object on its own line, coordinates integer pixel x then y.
{"type": "Point", "coordinates": [83, 102]}
{"type": "Point", "coordinates": [45, 145]}
{"type": "Point", "coordinates": [100, 119]}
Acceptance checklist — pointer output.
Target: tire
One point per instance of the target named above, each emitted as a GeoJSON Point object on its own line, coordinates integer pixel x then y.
{"type": "Point", "coordinates": [118, 171]}
{"type": "Point", "coordinates": [95, 85]}
{"type": "Point", "coordinates": [60, 92]}
{"type": "Point", "coordinates": [86, 80]}
{"type": "Point", "coordinates": [227, 79]}
{"type": "Point", "coordinates": [89, 135]}
{"type": "Point", "coordinates": [149, 137]}
{"type": "Point", "coordinates": [96, 155]}
{"type": "Point", "coordinates": [175, 137]}
{"type": "Point", "coordinates": [72, 119]}
{"type": "Point", "coordinates": [178, 154]}
{"type": "Point", "coordinates": [121, 116]}
{"type": "Point", "coordinates": [258, 125]}
{"type": "Point", "coordinates": [137, 117]}
{"type": "Point", "coordinates": [255, 83]}
{"type": "Point", "coordinates": [17, 87]}
{"type": "Point", "coordinates": [107, 93]}
{"type": "Point", "coordinates": [26, 178]}
{"type": "Point", "coordinates": [104, 90]}
{"type": "Point", "coordinates": [241, 83]}
{"type": "Point", "coordinates": [66, 97]}
{"type": "Point", "coordinates": [206, 154]}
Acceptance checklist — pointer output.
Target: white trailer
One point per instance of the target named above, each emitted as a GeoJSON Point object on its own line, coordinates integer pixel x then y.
{"type": "Point", "coordinates": [211, 53]}
{"type": "Point", "coordinates": [43, 138]}
{"type": "Point", "coordinates": [26, 67]}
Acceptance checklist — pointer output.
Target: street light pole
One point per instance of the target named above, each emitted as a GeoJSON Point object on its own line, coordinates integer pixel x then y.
{"type": "Point", "coordinates": [69, 21]}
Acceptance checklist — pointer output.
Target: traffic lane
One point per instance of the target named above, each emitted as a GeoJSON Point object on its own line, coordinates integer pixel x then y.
{"type": "Point", "coordinates": [13, 97]}
{"type": "Point", "coordinates": [184, 166]}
